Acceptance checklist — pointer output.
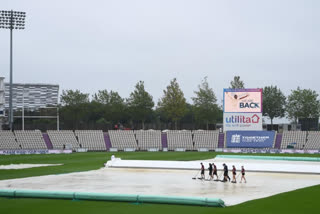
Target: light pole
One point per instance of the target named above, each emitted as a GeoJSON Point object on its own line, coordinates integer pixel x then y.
{"type": "Point", "coordinates": [11, 20]}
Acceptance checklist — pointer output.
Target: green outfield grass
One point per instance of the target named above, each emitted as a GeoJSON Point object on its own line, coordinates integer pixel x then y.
{"type": "Point", "coordinates": [299, 201]}
{"type": "Point", "coordinates": [295, 202]}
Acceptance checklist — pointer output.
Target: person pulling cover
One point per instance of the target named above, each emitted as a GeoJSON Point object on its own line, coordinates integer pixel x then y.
{"type": "Point", "coordinates": [215, 171]}
{"type": "Point", "coordinates": [210, 171]}
{"type": "Point", "coordinates": [243, 172]}
{"type": "Point", "coordinates": [202, 171]}
{"type": "Point", "coordinates": [225, 173]}
{"type": "Point", "coordinates": [234, 173]}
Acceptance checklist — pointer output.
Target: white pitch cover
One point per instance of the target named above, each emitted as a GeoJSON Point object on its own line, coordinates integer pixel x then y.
{"type": "Point", "coordinates": [242, 121]}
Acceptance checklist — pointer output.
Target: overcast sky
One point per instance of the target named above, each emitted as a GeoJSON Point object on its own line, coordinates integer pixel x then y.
{"type": "Point", "coordinates": [112, 44]}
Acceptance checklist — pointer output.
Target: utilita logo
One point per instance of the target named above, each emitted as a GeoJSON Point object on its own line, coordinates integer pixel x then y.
{"type": "Point", "coordinates": [243, 119]}
{"type": "Point", "coordinates": [249, 105]}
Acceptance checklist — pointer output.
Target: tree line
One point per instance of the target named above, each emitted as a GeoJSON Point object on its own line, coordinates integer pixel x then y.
{"type": "Point", "coordinates": [105, 109]}
{"type": "Point", "coordinates": [108, 108]}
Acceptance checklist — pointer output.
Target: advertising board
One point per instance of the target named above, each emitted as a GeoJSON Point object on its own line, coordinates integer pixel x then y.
{"type": "Point", "coordinates": [242, 121]}
{"type": "Point", "coordinates": [250, 139]}
{"type": "Point", "coordinates": [267, 150]}
{"type": "Point", "coordinates": [242, 100]}
{"type": "Point", "coordinates": [36, 151]}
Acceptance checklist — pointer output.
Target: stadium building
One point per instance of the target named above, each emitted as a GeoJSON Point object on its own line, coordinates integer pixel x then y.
{"type": "Point", "coordinates": [26, 96]}
{"type": "Point", "coordinates": [31, 96]}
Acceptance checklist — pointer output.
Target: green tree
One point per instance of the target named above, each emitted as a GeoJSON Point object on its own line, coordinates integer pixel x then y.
{"type": "Point", "coordinates": [114, 106]}
{"type": "Point", "coordinates": [71, 97]}
{"type": "Point", "coordinates": [108, 98]}
{"type": "Point", "coordinates": [96, 112]}
{"type": "Point", "coordinates": [173, 102]}
{"type": "Point", "coordinates": [140, 103]}
{"type": "Point", "coordinates": [74, 110]}
{"type": "Point", "coordinates": [274, 103]}
{"type": "Point", "coordinates": [188, 117]}
{"type": "Point", "coordinates": [73, 116]}
{"type": "Point", "coordinates": [236, 83]}
{"type": "Point", "coordinates": [205, 103]}
{"type": "Point", "coordinates": [303, 103]}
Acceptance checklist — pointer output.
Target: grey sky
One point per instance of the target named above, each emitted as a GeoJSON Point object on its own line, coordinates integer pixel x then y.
{"type": "Point", "coordinates": [94, 45]}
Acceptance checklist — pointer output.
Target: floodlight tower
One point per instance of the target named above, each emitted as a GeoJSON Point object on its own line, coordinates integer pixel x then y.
{"type": "Point", "coordinates": [13, 20]}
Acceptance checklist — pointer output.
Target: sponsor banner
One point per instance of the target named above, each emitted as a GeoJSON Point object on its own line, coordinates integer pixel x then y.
{"type": "Point", "coordinates": [311, 151]}
{"type": "Point", "coordinates": [30, 151]}
{"type": "Point", "coordinates": [271, 151]}
{"type": "Point", "coordinates": [229, 150]}
{"type": "Point", "coordinates": [62, 151]}
{"type": "Point", "coordinates": [242, 121]}
{"type": "Point", "coordinates": [81, 150]}
{"type": "Point", "coordinates": [242, 100]}
{"type": "Point", "coordinates": [250, 139]}
{"type": "Point", "coordinates": [251, 150]}
{"type": "Point", "coordinates": [299, 151]}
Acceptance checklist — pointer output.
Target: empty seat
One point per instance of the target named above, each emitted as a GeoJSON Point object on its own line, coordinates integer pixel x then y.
{"type": "Point", "coordinates": [179, 139]}
{"type": "Point", "coordinates": [205, 139]}
{"type": "Point", "coordinates": [60, 139]}
{"type": "Point", "coordinates": [8, 141]}
{"type": "Point", "coordinates": [313, 140]}
{"type": "Point", "coordinates": [148, 139]}
{"type": "Point", "coordinates": [91, 139]}
{"type": "Point", "coordinates": [122, 139]}
{"type": "Point", "coordinates": [293, 139]}
{"type": "Point", "coordinates": [30, 139]}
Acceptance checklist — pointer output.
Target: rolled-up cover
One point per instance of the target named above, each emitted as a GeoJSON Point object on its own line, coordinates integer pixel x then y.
{"type": "Point", "coordinates": [105, 197]}
{"type": "Point", "coordinates": [212, 202]}
{"type": "Point", "coordinates": [43, 194]}
{"type": "Point", "coordinates": [7, 193]}
{"type": "Point", "coordinates": [195, 201]}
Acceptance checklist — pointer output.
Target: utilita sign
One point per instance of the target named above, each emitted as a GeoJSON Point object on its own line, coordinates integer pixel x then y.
{"type": "Point", "coordinates": [242, 109]}
{"type": "Point", "coordinates": [242, 121]}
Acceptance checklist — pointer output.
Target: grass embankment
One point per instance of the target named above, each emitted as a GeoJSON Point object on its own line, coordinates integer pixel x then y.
{"type": "Point", "coordinates": [299, 201]}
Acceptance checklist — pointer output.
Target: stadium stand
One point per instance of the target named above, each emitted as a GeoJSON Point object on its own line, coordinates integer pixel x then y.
{"type": "Point", "coordinates": [149, 139]}
{"type": "Point", "coordinates": [95, 140]}
{"type": "Point", "coordinates": [30, 139]}
{"type": "Point", "coordinates": [91, 139]}
{"type": "Point", "coordinates": [8, 141]}
{"type": "Point", "coordinates": [205, 139]}
{"type": "Point", "coordinates": [180, 140]}
{"type": "Point", "coordinates": [123, 139]}
{"type": "Point", "coordinates": [60, 139]}
{"type": "Point", "coordinates": [293, 139]}
{"type": "Point", "coordinates": [313, 140]}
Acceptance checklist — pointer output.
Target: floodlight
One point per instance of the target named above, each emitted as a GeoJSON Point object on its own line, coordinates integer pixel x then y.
{"type": "Point", "coordinates": [11, 20]}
